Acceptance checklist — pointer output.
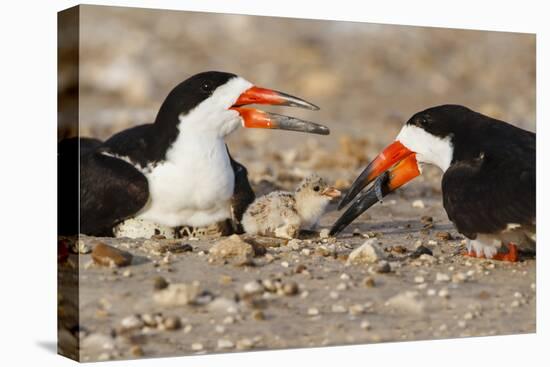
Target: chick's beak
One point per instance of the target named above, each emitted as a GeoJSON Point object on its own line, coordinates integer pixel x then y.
{"type": "Point", "coordinates": [331, 192]}
{"type": "Point", "coordinates": [391, 169]}
{"type": "Point", "coordinates": [253, 118]}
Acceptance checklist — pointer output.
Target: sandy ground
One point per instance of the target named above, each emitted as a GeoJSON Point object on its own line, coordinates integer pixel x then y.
{"type": "Point", "coordinates": [368, 79]}
{"type": "Point", "coordinates": [452, 296]}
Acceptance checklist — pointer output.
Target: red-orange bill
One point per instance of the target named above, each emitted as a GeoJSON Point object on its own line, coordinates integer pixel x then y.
{"type": "Point", "coordinates": [391, 169]}
{"type": "Point", "coordinates": [392, 154]}
{"type": "Point", "coordinates": [258, 95]}
{"type": "Point", "coordinates": [253, 118]}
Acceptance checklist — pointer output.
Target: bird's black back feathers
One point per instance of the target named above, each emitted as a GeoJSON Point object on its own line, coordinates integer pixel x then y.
{"type": "Point", "coordinates": [491, 181]}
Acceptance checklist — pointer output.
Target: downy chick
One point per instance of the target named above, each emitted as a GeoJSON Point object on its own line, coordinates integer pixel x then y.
{"type": "Point", "coordinates": [282, 214]}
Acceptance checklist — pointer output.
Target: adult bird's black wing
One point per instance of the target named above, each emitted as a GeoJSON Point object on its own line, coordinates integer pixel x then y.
{"type": "Point", "coordinates": [111, 190]}
{"type": "Point", "coordinates": [68, 151]}
{"type": "Point", "coordinates": [495, 188]}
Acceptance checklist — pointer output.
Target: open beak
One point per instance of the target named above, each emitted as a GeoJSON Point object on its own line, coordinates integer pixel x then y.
{"type": "Point", "coordinates": [253, 118]}
{"type": "Point", "coordinates": [391, 169]}
{"type": "Point", "coordinates": [331, 192]}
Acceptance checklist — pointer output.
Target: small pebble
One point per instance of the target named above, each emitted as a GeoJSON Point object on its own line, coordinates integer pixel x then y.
{"type": "Point", "coordinates": [197, 346]}
{"type": "Point", "coordinates": [258, 315]}
{"type": "Point", "coordinates": [149, 320]}
{"type": "Point", "coordinates": [407, 301]}
{"type": "Point", "coordinates": [444, 236]}
{"type": "Point", "coordinates": [245, 343]}
{"type": "Point", "coordinates": [230, 320]}
{"type": "Point", "coordinates": [369, 282]}
{"type": "Point", "coordinates": [225, 279]}
{"type": "Point", "coordinates": [421, 250]}
{"type": "Point", "coordinates": [365, 325]}
{"type": "Point", "coordinates": [342, 287]}
{"type": "Point", "coordinates": [484, 295]}
{"type": "Point", "coordinates": [383, 267]}
{"type": "Point", "coordinates": [356, 309]}
{"type": "Point", "coordinates": [253, 287]}
{"type": "Point", "coordinates": [132, 322]}
{"type": "Point", "coordinates": [312, 311]}
{"type": "Point", "coordinates": [284, 264]}
{"type": "Point", "coordinates": [443, 293]}
{"type": "Point", "coordinates": [231, 249]}
{"type": "Point", "coordinates": [442, 277]}
{"type": "Point", "coordinates": [106, 255]}
{"type": "Point", "coordinates": [136, 351]}
{"type": "Point", "coordinates": [80, 247]}
{"type": "Point", "coordinates": [225, 344]}
{"type": "Point", "coordinates": [368, 253]}
{"type": "Point", "coordinates": [334, 295]}
{"type": "Point", "coordinates": [418, 204]}
{"type": "Point", "coordinates": [324, 233]}
{"type": "Point", "coordinates": [419, 279]}
{"type": "Point", "coordinates": [172, 323]}
{"type": "Point", "coordinates": [159, 283]}
{"type": "Point", "coordinates": [179, 294]}
{"type": "Point", "coordinates": [459, 277]}
{"type": "Point", "coordinates": [290, 289]}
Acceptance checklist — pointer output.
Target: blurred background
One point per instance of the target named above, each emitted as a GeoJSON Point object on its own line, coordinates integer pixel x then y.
{"type": "Point", "coordinates": [368, 79]}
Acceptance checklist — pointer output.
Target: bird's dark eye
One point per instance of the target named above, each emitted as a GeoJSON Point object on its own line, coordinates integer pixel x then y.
{"type": "Point", "coordinates": [426, 121]}
{"type": "Point", "coordinates": [316, 188]}
{"type": "Point", "coordinates": [422, 121]}
{"type": "Point", "coordinates": [206, 86]}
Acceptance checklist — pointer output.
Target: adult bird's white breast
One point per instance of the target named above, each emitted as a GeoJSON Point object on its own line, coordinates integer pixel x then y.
{"type": "Point", "coordinates": [197, 164]}
{"type": "Point", "coordinates": [204, 172]}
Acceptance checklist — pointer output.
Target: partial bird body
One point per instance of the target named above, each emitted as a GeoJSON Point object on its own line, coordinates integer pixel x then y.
{"type": "Point", "coordinates": [282, 214]}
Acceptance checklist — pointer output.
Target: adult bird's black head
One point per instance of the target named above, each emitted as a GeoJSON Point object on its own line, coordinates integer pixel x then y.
{"type": "Point", "coordinates": [212, 102]}
{"type": "Point", "coordinates": [441, 136]}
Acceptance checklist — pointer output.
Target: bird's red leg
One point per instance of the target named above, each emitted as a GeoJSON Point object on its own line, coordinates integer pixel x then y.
{"type": "Point", "coordinates": [511, 255]}
{"type": "Point", "coordinates": [472, 253]}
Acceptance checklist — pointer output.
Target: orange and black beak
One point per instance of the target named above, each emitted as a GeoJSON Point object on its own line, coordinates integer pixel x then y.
{"type": "Point", "coordinates": [391, 169]}
{"type": "Point", "coordinates": [253, 118]}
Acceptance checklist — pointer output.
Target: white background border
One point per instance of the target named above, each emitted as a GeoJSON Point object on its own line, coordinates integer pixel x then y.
{"type": "Point", "coordinates": [28, 83]}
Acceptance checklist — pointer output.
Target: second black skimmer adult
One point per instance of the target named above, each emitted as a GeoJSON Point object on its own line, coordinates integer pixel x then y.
{"type": "Point", "coordinates": [489, 180]}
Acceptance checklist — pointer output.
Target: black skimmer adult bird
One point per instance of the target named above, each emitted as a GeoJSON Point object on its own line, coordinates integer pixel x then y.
{"type": "Point", "coordinates": [177, 171]}
{"type": "Point", "coordinates": [489, 180]}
